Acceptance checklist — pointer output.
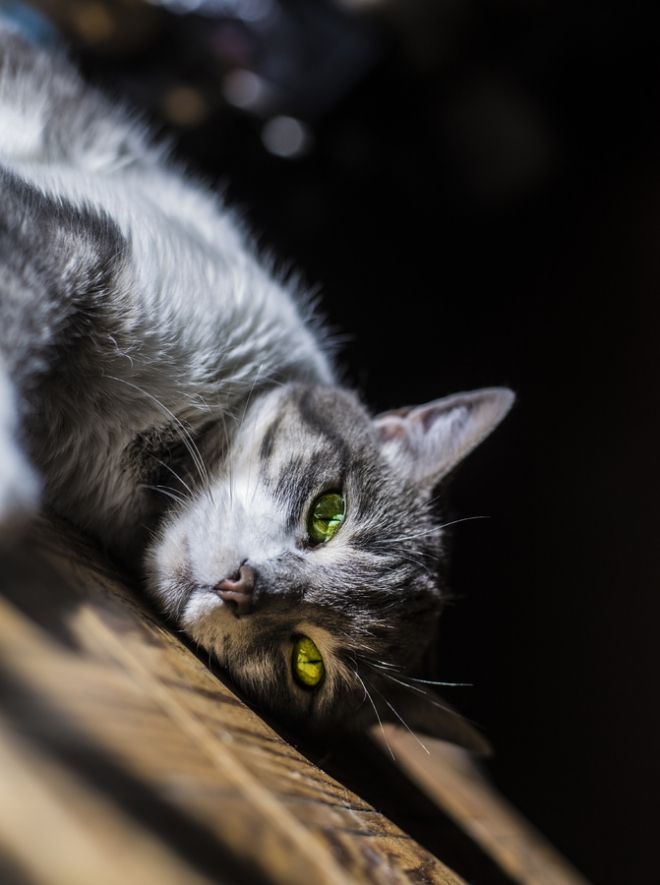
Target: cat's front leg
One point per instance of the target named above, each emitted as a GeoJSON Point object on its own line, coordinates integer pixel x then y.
{"type": "Point", "coordinates": [63, 312]}
{"type": "Point", "coordinates": [19, 484]}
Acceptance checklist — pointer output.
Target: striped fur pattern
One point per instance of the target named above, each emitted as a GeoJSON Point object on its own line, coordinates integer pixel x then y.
{"type": "Point", "coordinates": [163, 390]}
{"type": "Point", "coordinates": [370, 597]}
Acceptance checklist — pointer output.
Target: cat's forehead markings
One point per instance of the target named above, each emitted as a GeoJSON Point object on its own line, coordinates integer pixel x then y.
{"type": "Point", "coordinates": [321, 423]}
{"type": "Point", "coordinates": [268, 439]}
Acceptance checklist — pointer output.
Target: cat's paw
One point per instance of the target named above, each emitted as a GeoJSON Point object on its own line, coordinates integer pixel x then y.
{"type": "Point", "coordinates": [19, 488]}
{"type": "Point", "coordinates": [19, 483]}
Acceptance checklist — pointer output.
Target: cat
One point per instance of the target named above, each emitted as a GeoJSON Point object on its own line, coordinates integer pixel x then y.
{"type": "Point", "coordinates": [164, 391]}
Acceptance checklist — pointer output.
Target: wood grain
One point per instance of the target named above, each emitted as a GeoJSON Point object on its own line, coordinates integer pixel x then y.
{"type": "Point", "coordinates": [118, 735]}
{"type": "Point", "coordinates": [452, 779]}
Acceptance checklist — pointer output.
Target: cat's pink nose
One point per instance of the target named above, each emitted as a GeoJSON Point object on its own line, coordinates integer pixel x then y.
{"type": "Point", "coordinates": [239, 590]}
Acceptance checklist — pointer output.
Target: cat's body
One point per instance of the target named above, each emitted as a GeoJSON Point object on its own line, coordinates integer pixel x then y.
{"type": "Point", "coordinates": [194, 320]}
{"type": "Point", "coordinates": [154, 376]}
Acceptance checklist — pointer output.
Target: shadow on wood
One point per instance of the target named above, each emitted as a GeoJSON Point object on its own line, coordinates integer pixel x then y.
{"type": "Point", "coordinates": [124, 758]}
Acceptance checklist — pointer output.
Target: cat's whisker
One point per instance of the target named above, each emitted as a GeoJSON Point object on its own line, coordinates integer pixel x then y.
{"type": "Point", "coordinates": [201, 467]}
{"type": "Point", "coordinates": [230, 477]}
{"type": "Point", "coordinates": [165, 490]}
{"type": "Point", "coordinates": [402, 721]}
{"type": "Point", "coordinates": [446, 525]}
{"type": "Point", "coordinates": [355, 671]}
{"type": "Point", "coordinates": [227, 460]}
{"type": "Point", "coordinates": [245, 409]}
{"type": "Point", "coordinates": [407, 678]}
{"type": "Point", "coordinates": [386, 543]}
{"type": "Point", "coordinates": [380, 722]}
{"type": "Point", "coordinates": [431, 531]}
{"type": "Point", "coordinates": [197, 459]}
{"type": "Point", "coordinates": [176, 476]}
{"type": "Point", "coordinates": [444, 707]}
{"type": "Point", "coordinates": [186, 438]}
{"type": "Point", "coordinates": [416, 561]}
{"type": "Point", "coordinates": [363, 647]}
{"type": "Point", "coordinates": [151, 532]}
{"type": "Point", "coordinates": [437, 682]}
{"type": "Point", "coordinates": [404, 684]}
{"type": "Point", "coordinates": [199, 402]}
{"type": "Point", "coordinates": [431, 699]}
{"type": "Point", "coordinates": [385, 665]}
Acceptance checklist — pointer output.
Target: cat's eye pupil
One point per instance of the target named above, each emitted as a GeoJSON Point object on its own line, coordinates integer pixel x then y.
{"type": "Point", "coordinates": [325, 516]}
{"type": "Point", "coordinates": [307, 664]}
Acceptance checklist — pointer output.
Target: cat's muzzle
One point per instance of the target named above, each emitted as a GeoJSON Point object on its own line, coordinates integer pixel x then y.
{"type": "Point", "coordinates": [239, 590]}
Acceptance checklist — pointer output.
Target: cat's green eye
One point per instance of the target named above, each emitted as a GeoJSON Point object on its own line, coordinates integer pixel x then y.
{"type": "Point", "coordinates": [325, 516]}
{"type": "Point", "coordinates": [306, 663]}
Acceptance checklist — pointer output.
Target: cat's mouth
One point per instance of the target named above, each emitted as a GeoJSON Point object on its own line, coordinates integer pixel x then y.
{"type": "Point", "coordinates": [210, 621]}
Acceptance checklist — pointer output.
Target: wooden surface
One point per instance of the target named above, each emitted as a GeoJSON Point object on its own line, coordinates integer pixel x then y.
{"type": "Point", "coordinates": [124, 758]}
{"type": "Point", "coordinates": [448, 775]}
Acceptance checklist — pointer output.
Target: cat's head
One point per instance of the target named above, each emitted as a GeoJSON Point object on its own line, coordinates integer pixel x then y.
{"type": "Point", "coordinates": [310, 565]}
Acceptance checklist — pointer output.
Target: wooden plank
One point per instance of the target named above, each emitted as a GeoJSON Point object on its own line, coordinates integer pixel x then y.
{"type": "Point", "coordinates": [55, 830]}
{"type": "Point", "coordinates": [86, 650]}
{"type": "Point", "coordinates": [453, 780]}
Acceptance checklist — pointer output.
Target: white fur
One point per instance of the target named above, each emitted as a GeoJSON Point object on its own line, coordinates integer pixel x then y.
{"type": "Point", "coordinates": [21, 132]}
{"type": "Point", "coordinates": [246, 522]}
{"type": "Point", "coordinates": [240, 514]}
{"type": "Point", "coordinates": [202, 319]}
{"type": "Point", "coordinates": [19, 486]}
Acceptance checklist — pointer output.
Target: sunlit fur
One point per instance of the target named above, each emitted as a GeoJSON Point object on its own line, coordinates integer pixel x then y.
{"type": "Point", "coordinates": [363, 593]}
{"type": "Point", "coordinates": [168, 394]}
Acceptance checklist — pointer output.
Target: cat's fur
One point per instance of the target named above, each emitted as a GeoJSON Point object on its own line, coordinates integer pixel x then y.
{"type": "Point", "coordinates": [155, 377]}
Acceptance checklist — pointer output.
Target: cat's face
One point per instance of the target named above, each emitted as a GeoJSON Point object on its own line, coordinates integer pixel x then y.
{"type": "Point", "coordinates": [317, 525]}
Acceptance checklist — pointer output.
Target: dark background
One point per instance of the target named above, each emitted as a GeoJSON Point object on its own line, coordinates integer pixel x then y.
{"type": "Point", "coordinates": [479, 203]}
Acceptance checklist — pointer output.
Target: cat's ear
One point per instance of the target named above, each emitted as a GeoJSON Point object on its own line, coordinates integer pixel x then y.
{"type": "Point", "coordinates": [428, 441]}
{"type": "Point", "coordinates": [429, 714]}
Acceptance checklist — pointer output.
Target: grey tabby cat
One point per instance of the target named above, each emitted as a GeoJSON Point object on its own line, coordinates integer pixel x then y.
{"type": "Point", "coordinates": [162, 390]}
